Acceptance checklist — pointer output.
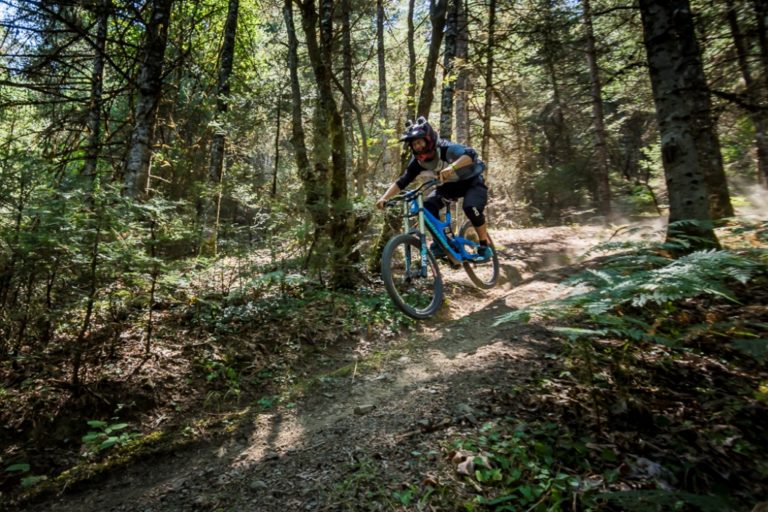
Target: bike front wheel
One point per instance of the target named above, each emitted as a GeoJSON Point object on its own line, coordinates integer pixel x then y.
{"type": "Point", "coordinates": [416, 289]}
{"type": "Point", "coordinates": [484, 274]}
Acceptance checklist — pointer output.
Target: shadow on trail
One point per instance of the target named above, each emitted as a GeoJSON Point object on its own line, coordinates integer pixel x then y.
{"type": "Point", "coordinates": [465, 335]}
{"type": "Point", "coordinates": [295, 456]}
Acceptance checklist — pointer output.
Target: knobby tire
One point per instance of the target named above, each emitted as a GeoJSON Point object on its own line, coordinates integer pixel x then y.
{"type": "Point", "coordinates": [406, 292]}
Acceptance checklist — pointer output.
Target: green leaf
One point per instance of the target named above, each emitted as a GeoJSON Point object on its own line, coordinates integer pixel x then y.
{"type": "Point", "coordinates": [754, 348]}
{"type": "Point", "coordinates": [29, 481]}
{"type": "Point", "coordinates": [609, 455]}
{"type": "Point", "coordinates": [97, 424]}
{"type": "Point", "coordinates": [90, 437]}
{"type": "Point", "coordinates": [500, 500]}
{"type": "Point", "coordinates": [653, 499]}
{"type": "Point", "coordinates": [21, 467]}
{"type": "Point", "coordinates": [109, 442]}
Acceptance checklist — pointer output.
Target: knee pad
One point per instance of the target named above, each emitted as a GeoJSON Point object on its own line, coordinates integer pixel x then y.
{"type": "Point", "coordinates": [475, 215]}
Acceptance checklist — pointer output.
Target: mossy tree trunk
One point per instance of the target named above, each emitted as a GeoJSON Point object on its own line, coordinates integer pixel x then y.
{"type": "Point", "coordinates": [329, 141]}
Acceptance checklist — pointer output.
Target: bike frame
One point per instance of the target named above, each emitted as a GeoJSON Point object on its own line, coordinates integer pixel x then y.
{"type": "Point", "coordinates": [413, 206]}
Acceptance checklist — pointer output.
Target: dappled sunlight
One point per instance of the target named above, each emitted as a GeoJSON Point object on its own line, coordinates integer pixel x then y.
{"type": "Point", "coordinates": [271, 435]}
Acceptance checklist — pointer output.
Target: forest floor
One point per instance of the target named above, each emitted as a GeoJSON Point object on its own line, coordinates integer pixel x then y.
{"type": "Point", "coordinates": [402, 419]}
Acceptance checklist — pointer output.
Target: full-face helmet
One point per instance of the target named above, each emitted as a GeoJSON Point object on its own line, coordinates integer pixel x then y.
{"type": "Point", "coordinates": [421, 129]}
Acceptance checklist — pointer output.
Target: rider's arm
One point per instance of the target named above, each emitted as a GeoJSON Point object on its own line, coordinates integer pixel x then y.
{"type": "Point", "coordinates": [410, 174]}
{"type": "Point", "coordinates": [463, 160]}
{"type": "Point", "coordinates": [391, 191]}
{"type": "Point", "coordinates": [453, 169]}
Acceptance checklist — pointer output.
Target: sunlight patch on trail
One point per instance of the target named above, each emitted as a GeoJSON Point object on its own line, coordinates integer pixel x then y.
{"type": "Point", "coordinates": [272, 435]}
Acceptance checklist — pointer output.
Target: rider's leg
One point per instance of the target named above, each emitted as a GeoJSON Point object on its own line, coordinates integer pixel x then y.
{"type": "Point", "coordinates": [475, 199]}
{"type": "Point", "coordinates": [482, 233]}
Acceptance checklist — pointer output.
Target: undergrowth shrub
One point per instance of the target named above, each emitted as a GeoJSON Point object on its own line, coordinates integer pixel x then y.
{"type": "Point", "coordinates": [633, 294]}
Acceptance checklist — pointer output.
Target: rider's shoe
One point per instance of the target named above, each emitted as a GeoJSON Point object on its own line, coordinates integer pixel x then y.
{"type": "Point", "coordinates": [483, 254]}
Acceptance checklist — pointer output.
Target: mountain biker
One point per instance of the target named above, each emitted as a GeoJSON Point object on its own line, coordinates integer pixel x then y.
{"type": "Point", "coordinates": [459, 170]}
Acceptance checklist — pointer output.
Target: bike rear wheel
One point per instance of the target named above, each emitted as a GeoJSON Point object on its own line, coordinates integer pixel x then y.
{"type": "Point", "coordinates": [484, 274]}
{"type": "Point", "coordinates": [415, 294]}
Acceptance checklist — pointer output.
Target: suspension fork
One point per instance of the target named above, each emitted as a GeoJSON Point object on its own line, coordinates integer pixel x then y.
{"type": "Point", "coordinates": [422, 235]}
{"type": "Point", "coordinates": [407, 229]}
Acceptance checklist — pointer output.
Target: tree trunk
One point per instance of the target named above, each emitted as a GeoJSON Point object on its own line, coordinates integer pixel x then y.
{"type": "Point", "coordinates": [437, 10]}
{"type": "Point", "coordinates": [392, 220]}
{"type": "Point", "coordinates": [383, 108]}
{"type": "Point", "coordinates": [449, 77]}
{"type": "Point", "coordinates": [411, 94]}
{"type": "Point", "coordinates": [756, 115]}
{"type": "Point", "coordinates": [279, 107]}
{"type": "Point", "coordinates": [346, 72]}
{"type": "Point", "coordinates": [97, 90]}
{"type": "Point", "coordinates": [485, 148]}
{"type": "Point", "coordinates": [361, 173]}
{"type": "Point", "coordinates": [761, 11]}
{"type": "Point", "coordinates": [312, 199]}
{"type": "Point", "coordinates": [318, 193]}
{"type": "Point", "coordinates": [150, 87]}
{"type": "Point", "coordinates": [329, 125]}
{"type": "Point", "coordinates": [602, 186]}
{"type": "Point", "coordinates": [683, 116]}
{"type": "Point", "coordinates": [462, 77]}
{"type": "Point", "coordinates": [216, 164]}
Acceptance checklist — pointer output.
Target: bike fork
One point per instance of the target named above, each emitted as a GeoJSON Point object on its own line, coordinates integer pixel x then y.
{"type": "Point", "coordinates": [422, 237]}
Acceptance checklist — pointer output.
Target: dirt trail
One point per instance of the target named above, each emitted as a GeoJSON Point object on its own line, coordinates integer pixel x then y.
{"type": "Point", "coordinates": [296, 456]}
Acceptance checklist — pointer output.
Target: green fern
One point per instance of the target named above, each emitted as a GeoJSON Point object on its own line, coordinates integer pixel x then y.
{"type": "Point", "coordinates": [656, 499]}
{"type": "Point", "coordinates": [643, 280]}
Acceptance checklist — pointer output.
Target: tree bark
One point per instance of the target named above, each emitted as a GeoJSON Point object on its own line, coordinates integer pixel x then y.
{"type": "Point", "coordinates": [756, 114]}
{"type": "Point", "coordinates": [449, 77]}
{"type": "Point", "coordinates": [361, 173]}
{"type": "Point", "coordinates": [315, 202]}
{"type": "Point", "coordinates": [602, 186]}
{"type": "Point", "coordinates": [392, 220]}
{"type": "Point", "coordinates": [461, 92]}
{"type": "Point", "coordinates": [150, 87]}
{"type": "Point", "coordinates": [216, 164]}
{"type": "Point", "coordinates": [683, 116]}
{"type": "Point", "coordinates": [437, 11]}
{"type": "Point", "coordinates": [97, 91]}
{"type": "Point", "coordinates": [386, 162]}
{"type": "Point", "coordinates": [279, 107]}
{"type": "Point", "coordinates": [490, 44]}
{"type": "Point", "coordinates": [761, 11]}
{"type": "Point", "coordinates": [411, 94]}
{"type": "Point", "coordinates": [329, 125]}
{"type": "Point", "coordinates": [346, 71]}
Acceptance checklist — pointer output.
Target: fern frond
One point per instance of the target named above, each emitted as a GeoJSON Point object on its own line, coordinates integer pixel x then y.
{"type": "Point", "coordinates": [642, 280]}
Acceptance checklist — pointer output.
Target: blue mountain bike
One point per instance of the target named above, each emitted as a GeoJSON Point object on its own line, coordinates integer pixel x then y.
{"type": "Point", "coordinates": [409, 267]}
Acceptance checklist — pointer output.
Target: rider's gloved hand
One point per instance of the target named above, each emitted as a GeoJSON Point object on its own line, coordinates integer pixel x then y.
{"type": "Point", "coordinates": [446, 174]}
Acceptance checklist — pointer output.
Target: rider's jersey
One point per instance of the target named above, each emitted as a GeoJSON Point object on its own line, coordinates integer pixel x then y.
{"type": "Point", "coordinates": [447, 153]}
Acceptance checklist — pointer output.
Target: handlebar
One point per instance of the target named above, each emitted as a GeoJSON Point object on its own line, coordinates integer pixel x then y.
{"type": "Point", "coordinates": [410, 194]}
